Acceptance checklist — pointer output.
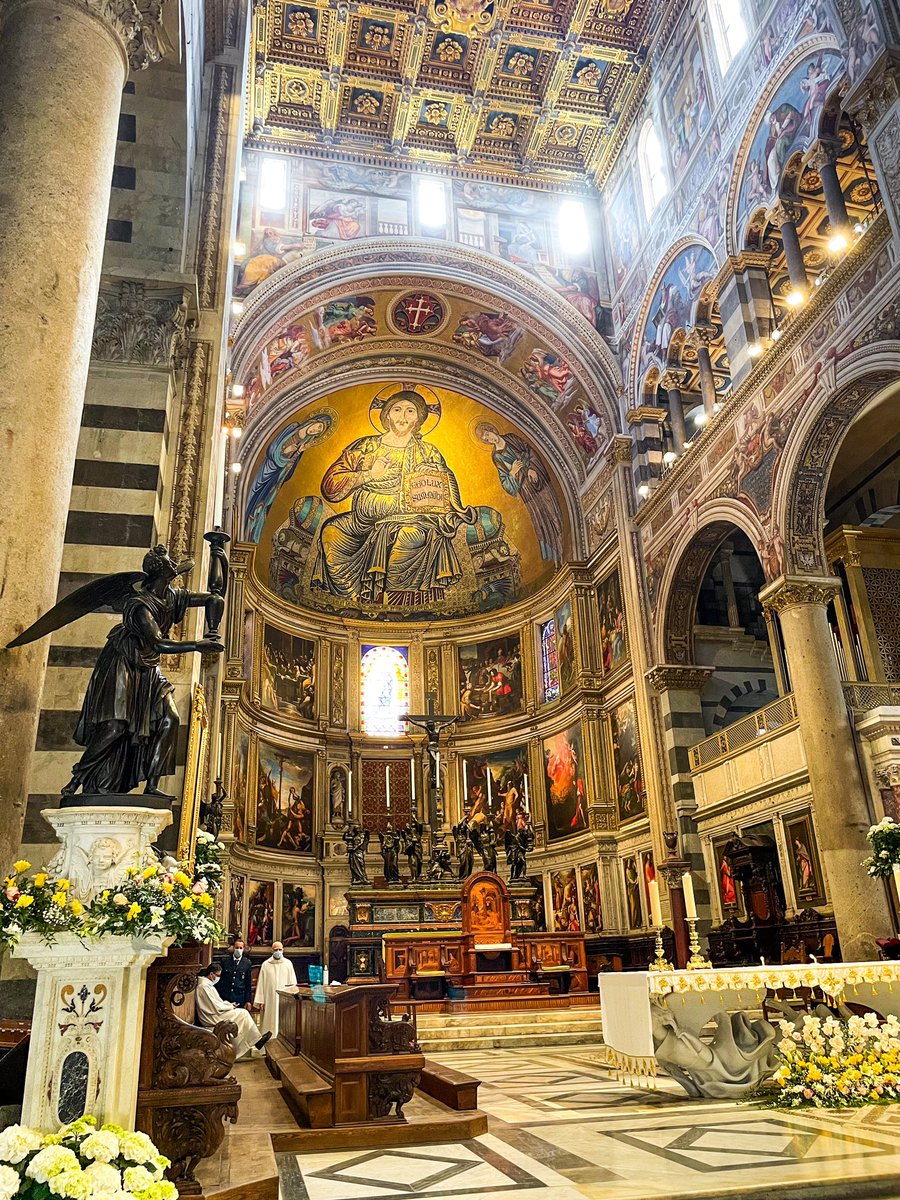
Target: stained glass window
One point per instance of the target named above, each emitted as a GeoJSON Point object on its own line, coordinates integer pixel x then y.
{"type": "Point", "coordinates": [548, 661]}
{"type": "Point", "coordinates": [383, 690]}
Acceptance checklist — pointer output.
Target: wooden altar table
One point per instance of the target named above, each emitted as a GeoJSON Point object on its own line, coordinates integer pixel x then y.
{"type": "Point", "coordinates": [653, 1019]}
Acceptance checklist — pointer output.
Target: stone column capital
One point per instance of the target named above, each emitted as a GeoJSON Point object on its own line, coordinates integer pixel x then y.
{"type": "Point", "coordinates": [703, 335]}
{"type": "Point", "coordinates": [618, 450]}
{"type": "Point", "coordinates": [137, 25]}
{"type": "Point", "coordinates": [825, 153]}
{"type": "Point", "coordinates": [672, 378]}
{"type": "Point", "coordinates": [784, 212]}
{"type": "Point", "coordinates": [792, 591]}
{"type": "Point", "coordinates": [670, 678]}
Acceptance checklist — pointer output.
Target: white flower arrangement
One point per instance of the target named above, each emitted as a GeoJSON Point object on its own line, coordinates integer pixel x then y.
{"type": "Point", "coordinates": [884, 838]}
{"type": "Point", "coordinates": [82, 1162]}
{"type": "Point", "coordinates": [830, 1062]}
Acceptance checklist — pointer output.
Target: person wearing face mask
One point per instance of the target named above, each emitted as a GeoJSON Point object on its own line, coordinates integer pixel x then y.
{"type": "Point", "coordinates": [276, 972]}
{"type": "Point", "coordinates": [212, 1009]}
{"type": "Point", "coordinates": [236, 980]}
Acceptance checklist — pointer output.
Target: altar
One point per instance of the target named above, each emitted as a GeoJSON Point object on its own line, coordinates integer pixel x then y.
{"type": "Point", "coordinates": [653, 1019]}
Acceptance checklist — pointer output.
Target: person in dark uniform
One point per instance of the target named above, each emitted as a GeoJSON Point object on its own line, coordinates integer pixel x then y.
{"type": "Point", "coordinates": [236, 981]}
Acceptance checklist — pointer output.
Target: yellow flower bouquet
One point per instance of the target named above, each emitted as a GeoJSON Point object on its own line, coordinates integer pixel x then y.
{"type": "Point", "coordinates": [832, 1062]}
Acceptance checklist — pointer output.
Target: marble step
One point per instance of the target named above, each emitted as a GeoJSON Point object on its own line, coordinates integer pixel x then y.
{"type": "Point", "coordinates": [465, 1021]}
{"type": "Point", "coordinates": [539, 1037]}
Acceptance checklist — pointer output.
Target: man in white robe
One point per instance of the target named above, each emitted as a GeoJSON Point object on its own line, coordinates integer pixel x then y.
{"type": "Point", "coordinates": [211, 1009]}
{"type": "Point", "coordinates": [276, 972]}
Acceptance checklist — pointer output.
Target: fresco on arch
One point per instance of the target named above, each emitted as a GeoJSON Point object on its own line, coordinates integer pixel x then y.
{"type": "Point", "coordinates": [672, 306]}
{"type": "Point", "coordinates": [399, 501]}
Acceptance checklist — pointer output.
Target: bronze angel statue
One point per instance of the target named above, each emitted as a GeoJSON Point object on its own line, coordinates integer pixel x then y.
{"type": "Point", "coordinates": [129, 723]}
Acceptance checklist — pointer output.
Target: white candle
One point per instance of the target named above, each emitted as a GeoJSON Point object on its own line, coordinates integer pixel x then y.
{"type": "Point", "coordinates": [687, 886]}
{"type": "Point", "coordinates": [349, 791]}
{"type": "Point", "coordinates": [437, 759]}
{"type": "Point", "coordinates": [487, 775]}
{"type": "Point", "coordinates": [655, 907]}
{"type": "Point", "coordinates": [325, 976]}
{"type": "Point", "coordinates": [526, 792]}
{"type": "Point", "coordinates": [412, 779]}
{"type": "Point", "coordinates": [387, 785]}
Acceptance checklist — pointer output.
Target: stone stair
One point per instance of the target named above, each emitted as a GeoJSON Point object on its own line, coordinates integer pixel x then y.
{"type": "Point", "coordinates": [441, 1033]}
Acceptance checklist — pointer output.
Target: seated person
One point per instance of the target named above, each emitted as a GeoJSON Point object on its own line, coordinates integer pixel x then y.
{"type": "Point", "coordinates": [212, 1009]}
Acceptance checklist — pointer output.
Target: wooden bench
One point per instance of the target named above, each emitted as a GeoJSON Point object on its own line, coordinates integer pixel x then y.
{"type": "Point", "coordinates": [308, 1094]}
{"type": "Point", "coordinates": [451, 1088]}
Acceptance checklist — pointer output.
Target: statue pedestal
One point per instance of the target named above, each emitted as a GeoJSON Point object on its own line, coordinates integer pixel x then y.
{"type": "Point", "coordinates": [100, 843]}
{"type": "Point", "coordinates": [85, 1036]}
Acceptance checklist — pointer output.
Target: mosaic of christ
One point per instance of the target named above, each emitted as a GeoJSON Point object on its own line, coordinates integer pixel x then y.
{"type": "Point", "coordinates": [401, 505]}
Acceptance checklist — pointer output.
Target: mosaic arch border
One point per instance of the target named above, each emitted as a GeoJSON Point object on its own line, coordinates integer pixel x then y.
{"type": "Point", "coordinates": [560, 457]}
{"type": "Point", "coordinates": [733, 235]}
{"type": "Point", "coordinates": [634, 385]}
{"type": "Point", "coordinates": [688, 558]}
{"type": "Point", "coordinates": [810, 452]}
{"type": "Point", "coordinates": [298, 285]}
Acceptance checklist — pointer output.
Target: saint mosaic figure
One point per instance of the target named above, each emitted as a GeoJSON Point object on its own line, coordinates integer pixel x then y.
{"type": "Point", "coordinates": [129, 723]}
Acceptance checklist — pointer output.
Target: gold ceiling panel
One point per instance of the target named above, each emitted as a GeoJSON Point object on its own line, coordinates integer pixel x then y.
{"type": "Point", "coordinates": [496, 84]}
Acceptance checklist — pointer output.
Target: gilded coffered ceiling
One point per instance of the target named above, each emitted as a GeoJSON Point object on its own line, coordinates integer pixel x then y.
{"type": "Point", "coordinates": [501, 86]}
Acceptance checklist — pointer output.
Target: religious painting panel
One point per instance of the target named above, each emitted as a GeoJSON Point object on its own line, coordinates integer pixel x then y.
{"type": "Point", "coordinates": [566, 911]}
{"type": "Point", "coordinates": [236, 893]}
{"type": "Point", "coordinates": [288, 673]}
{"type": "Point", "coordinates": [622, 216]}
{"type": "Point", "coordinates": [496, 789]}
{"type": "Point", "coordinates": [686, 104]}
{"type": "Point", "coordinates": [261, 913]}
{"type": "Point", "coordinates": [284, 798]}
{"type": "Point", "coordinates": [338, 908]}
{"type": "Point", "coordinates": [630, 795]}
{"type": "Point", "coordinates": [298, 915]}
{"type": "Point", "coordinates": [803, 855]}
{"type": "Point", "coordinates": [239, 782]}
{"type": "Point", "coordinates": [247, 644]}
{"type": "Point", "coordinates": [613, 638]}
{"type": "Point", "coordinates": [633, 911]}
{"type": "Point", "coordinates": [490, 677]}
{"type": "Point", "coordinates": [538, 909]}
{"type": "Point", "coordinates": [376, 506]}
{"type": "Point", "coordinates": [565, 780]}
{"type": "Point", "coordinates": [565, 647]}
{"type": "Point", "coordinates": [729, 889]}
{"type": "Point", "coordinates": [791, 123]}
{"type": "Point", "coordinates": [672, 306]}
{"type": "Point", "coordinates": [590, 892]}
{"type": "Point", "coordinates": [648, 873]}
{"type": "Point", "coordinates": [336, 216]}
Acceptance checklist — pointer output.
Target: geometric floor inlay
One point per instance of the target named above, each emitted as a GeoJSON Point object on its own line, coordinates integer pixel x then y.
{"type": "Point", "coordinates": [737, 1146]}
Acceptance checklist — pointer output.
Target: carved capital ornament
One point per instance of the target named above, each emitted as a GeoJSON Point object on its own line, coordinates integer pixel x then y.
{"type": "Point", "coordinates": [793, 591]}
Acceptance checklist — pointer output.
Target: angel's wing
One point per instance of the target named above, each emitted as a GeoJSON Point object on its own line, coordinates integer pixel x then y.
{"type": "Point", "coordinates": [109, 592]}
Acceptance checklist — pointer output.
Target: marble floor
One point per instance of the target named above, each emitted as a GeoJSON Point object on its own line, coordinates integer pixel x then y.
{"type": "Point", "coordinates": [561, 1128]}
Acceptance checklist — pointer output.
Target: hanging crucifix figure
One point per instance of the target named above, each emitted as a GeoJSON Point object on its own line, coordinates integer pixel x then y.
{"type": "Point", "coordinates": [433, 726]}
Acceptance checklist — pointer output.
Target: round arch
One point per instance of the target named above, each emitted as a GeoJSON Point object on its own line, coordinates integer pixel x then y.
{"type": "Point", "coordinates": [860, 381]}
{"type": "Point", "coordinates": [688, 559]}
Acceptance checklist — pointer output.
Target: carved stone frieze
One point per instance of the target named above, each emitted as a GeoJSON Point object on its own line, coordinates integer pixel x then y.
{"type": "Point", "coordinates": [669, 677]}
{"type": "Point", "coordinates": [189, 455]}
{"type": "Point", "coordinates": [872, 98]}
{"type": "Point", "coordinates": [209, 252]}
{"type": "Point", "coordinates": [139, 326]}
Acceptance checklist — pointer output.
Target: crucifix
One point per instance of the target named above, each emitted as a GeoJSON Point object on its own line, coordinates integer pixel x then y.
{"type": "Point", "coordinates": [433, 725]}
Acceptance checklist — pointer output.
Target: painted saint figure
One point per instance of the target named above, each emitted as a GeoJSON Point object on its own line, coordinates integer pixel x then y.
{"type": "Point", "coordinates": [522, 474]}
{"type": "Point", "coordinates": [282, 459]}
{"type": "Point", "coordinates": [405, 511]}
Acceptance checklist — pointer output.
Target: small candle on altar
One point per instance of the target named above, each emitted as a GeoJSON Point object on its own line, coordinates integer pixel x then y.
{"type": "Point", "coordinates": [655, 906]}
{"type": "Point", "coordinates": [525, 781]}
{"type": "Point", "coordinates": [687, 886]}
{"type": "Point", "coordinates": [387, 785]}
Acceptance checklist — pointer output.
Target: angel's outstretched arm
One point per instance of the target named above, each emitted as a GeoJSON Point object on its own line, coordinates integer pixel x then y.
{"type": "Point", "coordinates": [151, 631]}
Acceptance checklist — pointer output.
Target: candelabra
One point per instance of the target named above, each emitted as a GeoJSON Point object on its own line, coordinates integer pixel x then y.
{"type": "Point", "coordinates": [660, 963]}
{"type": "Point", "coordinates": [696, 962]}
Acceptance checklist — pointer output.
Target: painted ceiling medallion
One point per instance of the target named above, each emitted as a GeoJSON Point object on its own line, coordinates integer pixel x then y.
{"type": "Point", "coordinates": [463, 16]}
{"type": "Point", "coordinates": [417, 313]}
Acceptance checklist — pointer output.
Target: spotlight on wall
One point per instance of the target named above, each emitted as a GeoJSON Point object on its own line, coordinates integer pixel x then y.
{"type": "Point", "coordinates": [776, 334]}
{"type": "Point", "coordinates": [755, 349]}
{"type": "Point", "coordinates": [237, 307]}
{"type": "Point", "coordinates": [644, 491]}
{"type": "Point", "coordinates": [236, 468]}
{"type": "Point", "coordinates": [236, 431]}
{"type": "Point", "coordinates": [859, 227]}
{"type": "Point", "coordinates": [700, 417]}
{"type": "Point", "coordinates": [669, 457]}
{"type": "Point", "coordinates": [837, 243]}
{"type": "Point", "coordinates": [796, 297]}
{"type": "Point", "coordinates": [240, 249]}
{"type": "Point", "coordinates": [237, 390]}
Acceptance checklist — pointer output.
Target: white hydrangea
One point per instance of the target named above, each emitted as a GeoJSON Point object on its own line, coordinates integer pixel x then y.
{"type": "Point", "coordinates": [101, 1147]}
{"type": "Point", "coordinates": [51, 1161]}
{"type": "Point", "coordinates": [71, 1185]}
{"type": "Point", "coordinates": [137, 1179]}
{"type": "Point", "coordinates": [16, 1141]}
{"type": "Point", "coordinates": [9, 1182]}
{"type": "Point", "coordinates": [137, 1147]}
{"type": "Point", "coordinates": [103, 1176]}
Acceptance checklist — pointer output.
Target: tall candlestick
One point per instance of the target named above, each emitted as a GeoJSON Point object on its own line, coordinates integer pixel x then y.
{"type": "Point", "coordinates": [437, 768]}
{"type": "Point", "coordinates": [525, 779]}
{"type": "Point", "coordinates": [655, 907]}
{"type": "Point", "coordinates": [387, 785]}
{"type": "Point", "coordinates": [487, 777]}
{"type": "Point", "coordinates": [687, 886]}
{"type": "Point", "coordinates": [349, 791]}
{"type": "Point", "coordinates": [412, 779]}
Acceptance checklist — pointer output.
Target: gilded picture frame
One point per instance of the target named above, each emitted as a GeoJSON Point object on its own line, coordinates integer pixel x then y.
{"type": "Point", "coordinates": [194, 776]}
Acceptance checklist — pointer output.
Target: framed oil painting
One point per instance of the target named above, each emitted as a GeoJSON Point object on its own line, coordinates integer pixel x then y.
{"type": "Point", "coordinates": [490, 678]}
{"type": "Point", "coordinates": [288, 673]}
{"type": "Point", "coordinates": [298, 915]}
{"type": "Point", "coordinates": [237, 891]}
{"type": "Point", "coordinates": [631, 798]}
{"type": "Point", "coordinates": [239, 777]}
{"type": "Point", "coordinates": [803, 855]}
{"type": "Point", "coordinates": [729, 889]}
{"type": "Point", "coordinates": [565, 647]}
{"type": "Point", "coordinates": [496, 788]}
{"type": "Point", "coordinates": [564, 778]}
{"type": "Point", "coordinates": [590, 894]}
{"type": "Point", "coordinates": [566, 911]}
{"type": "Point", "coordinates": [261, 913]}
{"type": "Point", "coordinates": [613, 641]}
{"type": "Point", "coordinates": [284, 798]}
{"type": "Point", "coordinates": [633, 910]}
